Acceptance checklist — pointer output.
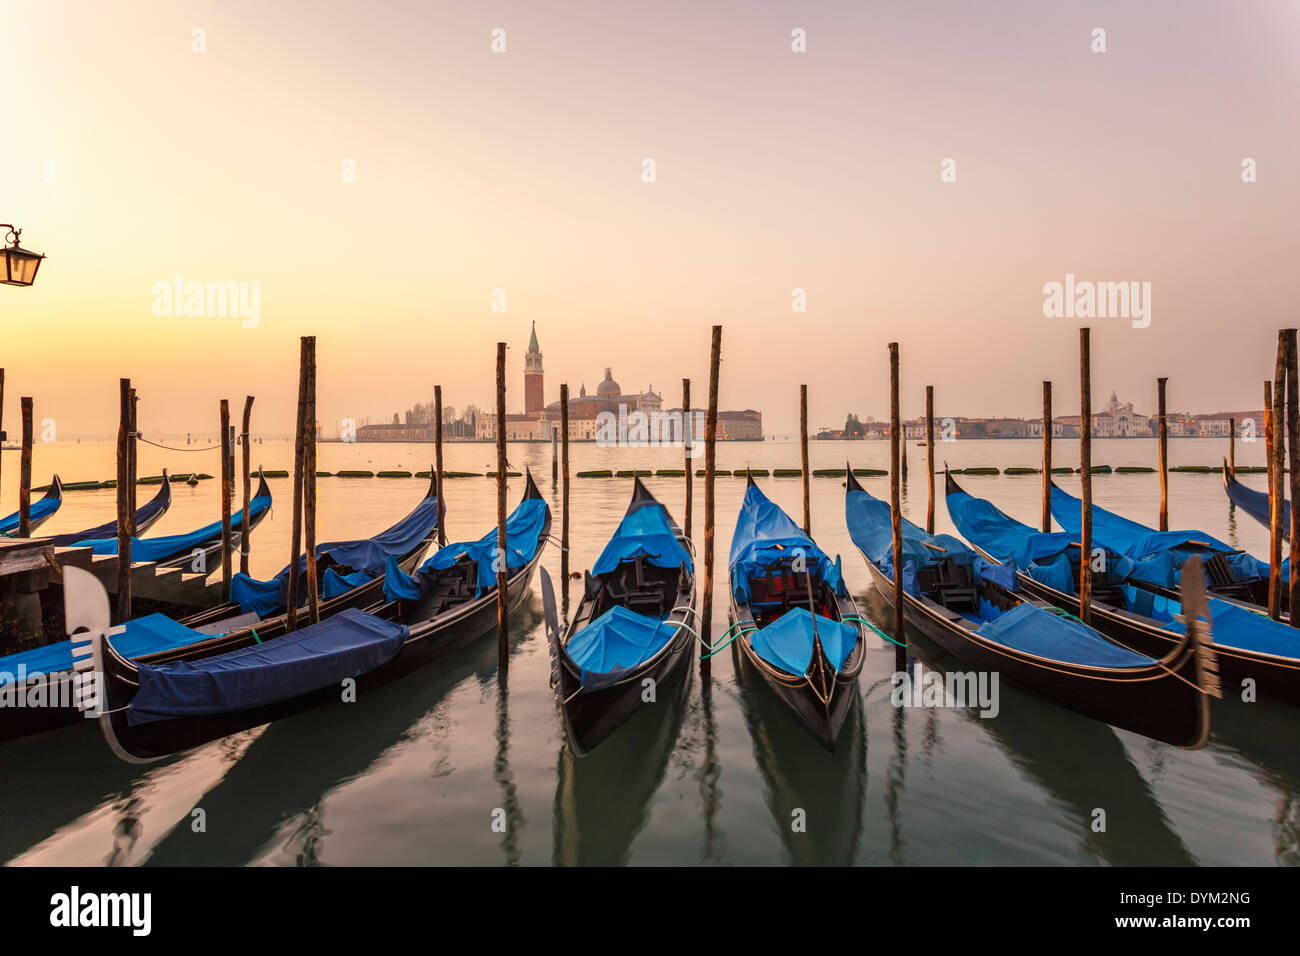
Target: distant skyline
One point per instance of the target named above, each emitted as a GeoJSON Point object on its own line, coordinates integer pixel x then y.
{"type": "Point", "coordinates": [384, 180]}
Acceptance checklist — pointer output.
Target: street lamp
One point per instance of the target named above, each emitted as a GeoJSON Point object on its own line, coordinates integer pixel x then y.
{"type": "Point", "coordinates": [20, 265]}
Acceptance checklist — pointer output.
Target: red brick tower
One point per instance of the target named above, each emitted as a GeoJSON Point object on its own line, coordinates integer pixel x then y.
{"type": "Point", "coordinates": [534, 402]}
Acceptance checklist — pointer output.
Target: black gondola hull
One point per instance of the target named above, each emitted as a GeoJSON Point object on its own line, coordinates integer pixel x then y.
{"type": "Point", "coordinates": [823, 722]}
{"type": "Point", "coordinates": [591, 716]}
{"type": "Point", "coordinates": [1150, 700]}
{"type": "Point", "coordinates": [425, 646]}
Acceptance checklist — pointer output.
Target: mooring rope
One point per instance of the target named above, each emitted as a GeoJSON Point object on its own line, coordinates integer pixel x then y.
{"type": "Point", "coordinates": [857, 619]}
{"type": "Point", "coordinates": [138, 437]}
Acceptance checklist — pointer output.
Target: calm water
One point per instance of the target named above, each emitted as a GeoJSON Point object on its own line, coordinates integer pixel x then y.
{"type": "Point", "coordinates": [416, 772]}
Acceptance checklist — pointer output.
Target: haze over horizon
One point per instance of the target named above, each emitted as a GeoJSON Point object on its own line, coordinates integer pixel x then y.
{"type": "Point", "coordinates": [130, 158]}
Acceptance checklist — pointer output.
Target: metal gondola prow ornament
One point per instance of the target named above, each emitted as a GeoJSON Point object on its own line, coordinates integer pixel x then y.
{"type": "Point", "coordinates": [88, 621]}
{"type": "Point", "coordinates": [1198, 621]}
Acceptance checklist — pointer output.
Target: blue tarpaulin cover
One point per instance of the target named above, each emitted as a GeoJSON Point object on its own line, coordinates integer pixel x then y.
{"type": "Point", "coordinates": [40, 509]}
{"type": "Point", "coordinates": [336, 585]}
{"type": "Point", "coordinates": [1236, 626]}
{"type": "Point", "coordinates": [617, 641]}
{"type": "Point", "coordinates": [349, 644]}
{"type": "Point", "coordinates": [143, 635]}
{"type": "Point", "coordinates": [869, 524]}
{"type": "Point", "coordinates": [646, 531]}
{"type": "Point", "coordinates": [764, 536]}
{"type": "Point", "coordinates": [369, 555]}
{"type": "Point", "coordinates": [787, 642]}
{"type": "Point", "coordinates": [1044, 556]}
{"type": "Point", "coordinates": [1035, 631]}
{"type": "Point", "coordinates": [1158, 556]}
{"type": "Point", "coordinates": [523, 533]}
{"type": "Point", "coordinates": [170, 546]}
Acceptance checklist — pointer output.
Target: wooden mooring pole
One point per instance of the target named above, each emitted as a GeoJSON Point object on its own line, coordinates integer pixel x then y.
{"type": "Point", "coordinates": [1047, 456]}
{"type": "Point", "coordinates": [25, 473]}
{"type": "Point", "coordinates": [710, 465]}
{"type": "Point", "coordinates": [1277, 464]}
{"type": "Point", "coordinates": [246, 459]}
{"type": "Point", "coordinates": [309, 486]}
{"type": "Point", "coordinates": [295, 530]}
{"type": "Point", "coordinates": [503, 610]}
{"type": "Point", "coordinates": [564, 493]}
{"type": "Point", "coordinates": [1163, 451]}
{"type": "Point", "coordinates": [1085, 474]}
{"type": "Point", "coordinates": [124, 516]}
{"type": "Point", "coordinates": [131, 461]}
{"type": "Point", "coordinates": [895, 507]}
{"type": "Point", "coordinates": [803, 454]}
{"type": "Point", "coordinates": [1268, 438]}
{"type": "Point", "coordinates": [227, 545]}
{"type": "Point", "coordinates": [688, 436]}
{"type": "Point", "coordinates": [929, 457]}
{"type": "Point", "coordinates": [1293, 466]}
{"type": "Point", "coordinates": [1232, 447]}
{"type": "Point", "coordinates": [439, 487]}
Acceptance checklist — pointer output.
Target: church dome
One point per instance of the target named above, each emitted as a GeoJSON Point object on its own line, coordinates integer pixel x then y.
{"type": "Point", "coordinates": [608, 388]}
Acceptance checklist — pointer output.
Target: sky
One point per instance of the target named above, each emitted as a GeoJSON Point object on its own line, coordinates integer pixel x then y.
{"type": "Point", "coordinates": [129, 157]}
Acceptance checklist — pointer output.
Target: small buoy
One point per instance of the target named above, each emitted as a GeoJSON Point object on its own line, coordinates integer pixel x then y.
{"type": "Point", "coordinates": [192, 480]}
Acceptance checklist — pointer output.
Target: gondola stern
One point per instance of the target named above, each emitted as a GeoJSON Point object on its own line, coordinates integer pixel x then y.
{"type": "Point", "coordinates": [530, 486]}
{"type": "Point", "coordinates": [56, 488]}
{"type": "Point", "coordinates": [851, 482]}
{"type": "Point", "coordinates": [950, 486]}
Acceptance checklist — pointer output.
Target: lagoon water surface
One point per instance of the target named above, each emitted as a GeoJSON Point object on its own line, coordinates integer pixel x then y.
{"type": "Point", "coordinates": [451, 766]}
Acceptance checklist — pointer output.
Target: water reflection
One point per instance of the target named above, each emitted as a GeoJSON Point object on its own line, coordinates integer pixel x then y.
{"type": "Point", "coordinates": [1263, 734]}
{"type": "Point", "coordinates": [601, 799]}
{"type": "Point", "coordinates": [817, 798]}
{"type": "Point", "coordinates": [302, 759]}
{"type": "Point", "coordinates": [514, 816]}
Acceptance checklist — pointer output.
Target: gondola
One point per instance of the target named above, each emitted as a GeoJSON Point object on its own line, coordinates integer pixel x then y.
{"type": "Point", "coordinates": [193, 548]}
{"type": "Point", "coordinates": [630, 626]}
{"type": "Point", "coordinates": [145, 518]}
{"type": "Point", "coordinates": [970, 608]}
{"type": "Point", "coordinates": [1248, 645]}
{"type": "Point", "coordinates": [40, 511]}
{"type": "Point", "coordinates": [1254, 503]}
{"type": "Point", "coordinates": [45, 673]}
{"type": "Point", "coordinates": [1232, 575]}
{"type": "Point", "coordinates": [148, 711]}
{"type": "Point", "coordinates": [796, 623]}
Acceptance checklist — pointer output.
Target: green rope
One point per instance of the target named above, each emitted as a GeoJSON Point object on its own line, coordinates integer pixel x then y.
{"type": "Point", "coordinates": [1062, 612]}
{"type": "Point", "coordinates": [255, 637]}
{"type": "Point", "coordinates": [853, 618]}
{"type": "Point", "coordinates": [727, 640]}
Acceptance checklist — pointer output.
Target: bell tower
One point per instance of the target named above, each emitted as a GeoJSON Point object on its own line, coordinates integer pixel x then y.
{"type": "Point", "coordinates": [533, 396]}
